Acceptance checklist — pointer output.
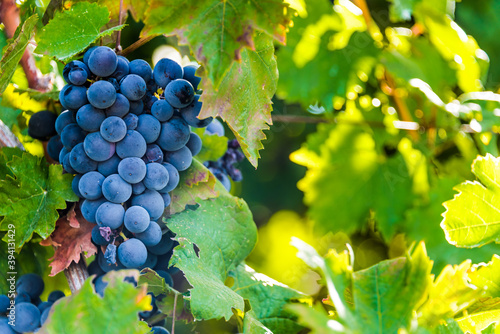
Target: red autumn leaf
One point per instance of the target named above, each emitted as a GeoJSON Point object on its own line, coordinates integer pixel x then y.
{"type": "Point", "coordinates": [71, 237]}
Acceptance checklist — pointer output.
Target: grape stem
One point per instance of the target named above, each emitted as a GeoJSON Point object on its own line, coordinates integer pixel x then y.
{"type": "Point", "coordinates": [137, 44]}
{"type": "Point", "coordinates": [173, 315]}
{"type": "Point", "coordinates": [9, 16]}
{"type": "Point", "coordinates": [119, 34]}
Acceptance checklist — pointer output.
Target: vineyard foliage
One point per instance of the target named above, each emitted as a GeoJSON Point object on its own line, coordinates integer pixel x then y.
{"type": "Point", "coordinates": [395, 228]}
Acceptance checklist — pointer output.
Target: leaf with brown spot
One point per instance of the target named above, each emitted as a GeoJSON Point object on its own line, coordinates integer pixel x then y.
{"type": "Point", "coordinates": [243, 99]}
{"type": "Point", "coordinates": [196, 184]}
{"type": "Point", "coordinates": [71, 237]}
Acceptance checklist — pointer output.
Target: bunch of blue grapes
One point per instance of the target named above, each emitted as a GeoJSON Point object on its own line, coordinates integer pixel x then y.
{"type": "Point", "coordinates": [225, 167]}
{"type": "Point", "coordinates": [126, 135]}
{"type": "Point", "coordinates": [29, 310]}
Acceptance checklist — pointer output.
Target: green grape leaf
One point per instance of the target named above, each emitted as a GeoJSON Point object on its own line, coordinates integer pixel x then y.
{"type": "Point", "coordinates": [454, 45]}
{"type": "Point", "coordinates": [73, 30]}
{"type": "Point", "coordinates": [166, 295]}
{"type": "Point", "coordinates": [243, 99]}
{"type": "Point", "coordinates": [479, 321]}
{"type": "Point", "coordinates": [450, 327]}
{"type": "Point", "coordinates": [472, 217]}
{"type": "Point", "coordinates": [195, 184]}
{"type": "Point", "coordinates": [347, 177]}
{"type": "Point", "coordinates": [223, 232]}
{"type": "Point", "coordinates": [85, 312]}
{"type": "Point", "coordinates": [15, 50]}
{"type": "Point", "coordinates": [30, 196]}
{"type": "Point", "coordinates": [487, 276]}
{"type": "Point", "coordinates": [8, 115]}
{"type": "Point", "coordinates": [449, 294]}
{"type": "Point", "coordinates": [383, 297]}
{"type": "Point", "coordinates": [322, 58]}
{"type": "Point", "coordinates": [402, 10]}
{"type": "Point", "coordinates": [214, 146]}
{"type": "Point", "coordinates": [267, 299]}
{"type": "Point", "coordinates": [37, 95]}
{"type": "Point", "coordinates": [217, 31]}
{"type": "Point", "coordinates": [314, 318]}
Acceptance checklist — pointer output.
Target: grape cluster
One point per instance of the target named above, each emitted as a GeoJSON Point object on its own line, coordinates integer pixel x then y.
{"type": "Point", "coordinates": [30, 311]}
{"type": "Point", "coordinates": [126, 135]}
{"type": "Point", "coordinates": [225, 166]}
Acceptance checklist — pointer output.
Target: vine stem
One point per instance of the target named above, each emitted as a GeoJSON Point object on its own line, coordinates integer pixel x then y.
{"type": "Point", "coordinates": [119, 34]}
{"type": "Point", "coordinates": [9, 16]}
{"type": "Point", "coordinates": [137, 44]}
{"type": "Point", "coordinates": [173, 315]}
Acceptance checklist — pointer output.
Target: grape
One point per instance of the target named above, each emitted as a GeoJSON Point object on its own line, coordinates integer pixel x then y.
{"type": "Point", "coordinates": [95, 269]}
{"type": "Point", "coordinates": [65, 118]}
{"type": "Point", "coordinates": [72, 66]}
{"type": "Point", "coordinates": [137, 107]}
{"type": "Point", "coordinates": [149, 127]}
{"type": "Point", "coordinates": [115, 189]}
{"type": "Point", "coordinates": [173, 178]}
{"type": "Point", "coordinates": [109, 166]}
{"type": "Point", "coordinates": [44, 316]}
{"type": "Point", "coordinates": [87, 54]}
{"type": "Point", "coordinates": [122, 68]}
{"type": "Point", "coordinates": [22, 297]}
{"type": "Point", "coordinates": [133, 87]}
{"type": "Point", "coordinates": [5, 303]}
{"type": "Point", "coordinates": [191, 112]}
{"type": "Point", "coordinates": [164, 246]}
{"type": "Point", "coordinates": [101, 94]}
{"type": "Point", "coordinates": [114, 82]}
{"type": "Point", "coordinates": [179, 93]}
{"type": "Point", "coordinates": [42, 125]}
{"type": "Point", "coordinates": [162, 263]}
{"type": "Point", "coordinates": [113, 129]}
{"type": "Point", "coordinates": [71, 135]}
{"type": "Point", "coordinates": [141, 68]}
{"type": "Point", "coordinates": [100, 285]}
{"type": "Point", "coordinates": [131, 120]}
{"type": "Point", "coordinates": [165, 71]}
{"type": "Point", "coordinates": [79, 160]}
{"type": "Point", "coordinates": [55, 296]}
{"type": "Point", "coordinates": [166, 276]}
{"type": "Point", "coordinates": [132, 169]}
{"type": "Point", "coordinates": [151, 261]}
{"type": "Point", "coordinates": [54, 147]}
{"type": "Point", "coordinates": [90, 118]}
{"type": "Point", "coordinates": [194, 144]}
{"type": "Point", "coordinates": [67, 165]}
{"type": "Point", "coordinates": [73, 97]}
{"type": "Point", "coordinates": [162, 110]}
{"type": "Point", "coordinates": [133, 145]}
{"type": "Point", "coordinates": [158, 330]}
{"type": "Point", "coordinates": [222, 178]}
{"type": "Point", "coordinates": [152, 201]}
{"type": "Point", "coordinates": [156, 176]}
{"type": "Point", "coordinates": [44, 305]}
{"type": "Point", "coordinates": [153, 154]}
{"type": "Point", "coordinates": [110, 215]}
{"type": "Point", "coordinates": [166, 198]}
{"type": "Point", "coordinates": [31, 284]}
{"type": "Point", "coordinates": [97, 237]}
{"type": "Point", "coordinates": [180, 159]}
{"type": "Point", "coordinates": [215, 127]}
{"type": "Point", "coordinates": [62, 154]}
{"type": "Point", "coordinates": [132, 253]}
{"type": "Point", "coordinates": [174, 134]}
{"type": "Point", "coordinates": [189, 75]}
{"type": "Point", "coordinates": [136, 219]}
{"type": "Point", "coordinates": [89, 208]}
{"type": "Point", "coordinates": [27, 317]}
{"type": "Point", "coordinates": [120, 108]}
{"type": "Point", "coordinates": [151, 236]}
{"type": "Point", "coordinates": [102, 61]}
{"type": "Point", "coordinates": [97, 148]}
{"type": "Point", "coordinates": [5, 327]}
{"type": "Point", "coordinates": [138, 188]}
{"type": "Point", "coordinates": [78, 76]}
{"type": "Point", "coordinates": [90, 185]}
